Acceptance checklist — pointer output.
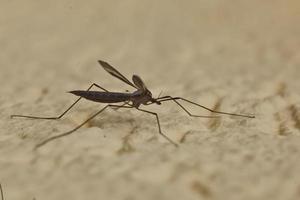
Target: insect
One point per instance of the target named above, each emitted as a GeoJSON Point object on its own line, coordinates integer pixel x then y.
{"type": "Point", "coordinates": [141, 96]}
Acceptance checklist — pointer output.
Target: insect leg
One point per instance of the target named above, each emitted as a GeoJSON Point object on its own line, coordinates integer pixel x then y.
{"type": "Point", "coordinates": [169, 98]}
{"type": "Point", "coordinates": [1, 191]}
{"type": "Point", "coordinates": [77, 127]}
{"type": "Point", "coordinates": [158, 123]}
{"type": "Point", "coordinates": [61, 115]}
{"type": "Point", "coordinates": [190, 114]}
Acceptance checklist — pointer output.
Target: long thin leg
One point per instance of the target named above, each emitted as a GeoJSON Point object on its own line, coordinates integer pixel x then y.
{"type": "Point", "coordinates": [125, 103]}
{"type": "Point", "coordinates": [158, 123]}
{"type": "Point", "coordinates": [169, 98]}
{"type": "Point", "coordinates": [76, 128]}
{"type": "Point", "coordinates": [192, 115]}
{"type": "Point", "coordinates": [61, 115]}
{"type": "Point", "coordinates": [2, 195]}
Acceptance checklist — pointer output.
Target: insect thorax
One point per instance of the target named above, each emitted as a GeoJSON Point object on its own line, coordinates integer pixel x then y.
{"type": "Point", "coordinates": [141, 97]}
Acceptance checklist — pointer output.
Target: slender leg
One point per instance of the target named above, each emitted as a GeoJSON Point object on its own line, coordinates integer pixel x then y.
{"type": "Point", "coordinates": [125, 103]}
{"type": "Point", "coordinates": [61, 115]}
{"type": "Point", "coordinates": [76, 128]}
{"type": "Point", "coordinates": [169, 98]}
{"type": "Point", "coordinates": [159, 129]}
{"type": "Point", "coordinates": [2, 196]}
{"type": "Point", "coordinates": [192, 115]}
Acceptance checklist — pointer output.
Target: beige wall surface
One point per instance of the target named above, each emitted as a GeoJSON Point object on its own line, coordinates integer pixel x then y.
{"type": "Point", "coordinates": [235, 56]}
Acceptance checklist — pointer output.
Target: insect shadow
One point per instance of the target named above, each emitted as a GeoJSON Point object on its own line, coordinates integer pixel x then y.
{"type": "Point", "coordinates": [130, 100]}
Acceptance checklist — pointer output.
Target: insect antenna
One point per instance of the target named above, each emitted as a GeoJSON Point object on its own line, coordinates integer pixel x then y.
{"type": "Point", "coordinates": [159, 94]}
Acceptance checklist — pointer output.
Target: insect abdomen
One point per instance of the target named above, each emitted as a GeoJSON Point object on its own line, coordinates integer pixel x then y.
{"type": "Point", "coordinates": [102, 97]}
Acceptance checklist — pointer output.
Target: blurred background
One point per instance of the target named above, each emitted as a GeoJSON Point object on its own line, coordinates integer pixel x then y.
{"type": "Point", "coordinates": [62, 39]}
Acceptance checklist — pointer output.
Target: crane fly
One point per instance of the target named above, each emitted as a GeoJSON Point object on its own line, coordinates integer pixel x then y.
{"type": "Point", "coordinates": [141, 96]}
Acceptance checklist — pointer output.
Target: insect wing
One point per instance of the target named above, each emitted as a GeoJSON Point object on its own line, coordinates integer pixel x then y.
{"type": "Point", "coordinates": [115, 73]}
{"type": "Point", "coordinates": [138, 82]}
